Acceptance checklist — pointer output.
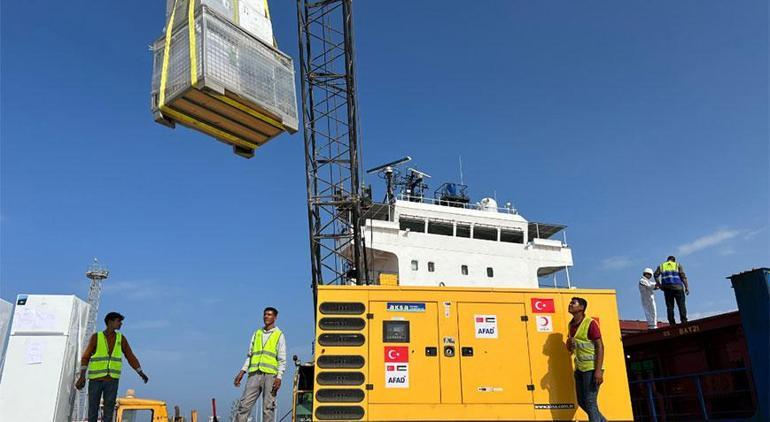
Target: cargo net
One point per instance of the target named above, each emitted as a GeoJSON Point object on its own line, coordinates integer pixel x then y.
{"type": "Point", "coordinates": [228, 59]}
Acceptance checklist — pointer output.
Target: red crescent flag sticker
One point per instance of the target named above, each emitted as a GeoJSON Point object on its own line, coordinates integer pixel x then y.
{"type": "Point", "coordinates": [479, 319]}
{"type": "Point", "coordinates": [542, 306]}
{"type": "Point", "coordinates": [396, 354]}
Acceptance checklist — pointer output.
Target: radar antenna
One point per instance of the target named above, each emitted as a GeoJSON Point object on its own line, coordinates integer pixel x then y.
{"type": "Point", "coordinates": [387, 171]}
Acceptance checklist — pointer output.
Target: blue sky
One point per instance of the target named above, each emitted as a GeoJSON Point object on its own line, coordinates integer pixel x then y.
{"type": "Point", "coordinates": [642, 125]}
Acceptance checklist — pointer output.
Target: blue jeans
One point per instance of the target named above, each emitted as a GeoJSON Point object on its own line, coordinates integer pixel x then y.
{"type": "Point", "coordinates": [97, 388]}
{"type": "Point", "coordinates": [587, 391]}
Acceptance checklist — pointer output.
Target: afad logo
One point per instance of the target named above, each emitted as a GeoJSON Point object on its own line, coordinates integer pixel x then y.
{"type": "Point", "coordinates": [542, 306]}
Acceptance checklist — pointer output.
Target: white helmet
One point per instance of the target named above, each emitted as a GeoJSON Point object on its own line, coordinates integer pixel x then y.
{"type": "Point", "coordinates": [648, 271]}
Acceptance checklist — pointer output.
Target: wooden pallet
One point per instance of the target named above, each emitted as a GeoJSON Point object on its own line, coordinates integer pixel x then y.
{"type": "Point", "coordinates": [226, 116]}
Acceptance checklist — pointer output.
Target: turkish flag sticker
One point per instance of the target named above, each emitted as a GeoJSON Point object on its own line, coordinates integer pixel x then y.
{"type": "Point", "coordinates": [397, 354]}
{"type": "Point", "coordinates": [542, 306]}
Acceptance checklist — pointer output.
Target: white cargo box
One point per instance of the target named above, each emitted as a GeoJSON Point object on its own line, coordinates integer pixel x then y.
{"type": "Point", "coordinates": [251, 15]}
{"type": "Point", "coordinates": [42, 358]}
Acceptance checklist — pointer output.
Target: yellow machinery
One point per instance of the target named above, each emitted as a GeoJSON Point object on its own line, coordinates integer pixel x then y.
{"type": "Point", "coordinates": [132, 409]}
{"type": "Point", "coordinates": [389, 353]}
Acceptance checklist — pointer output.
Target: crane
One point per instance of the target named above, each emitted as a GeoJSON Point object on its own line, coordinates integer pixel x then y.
{"type": "Point", "coordinates": [332, 158]}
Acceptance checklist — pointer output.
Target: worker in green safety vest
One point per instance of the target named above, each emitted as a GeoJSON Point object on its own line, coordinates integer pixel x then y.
{"type": "Point", "coordinates": [265, 364]}
{"type": "Point", "coordinates": [585, 342]}
{"type": "Point", "coordinates": [103, 359]}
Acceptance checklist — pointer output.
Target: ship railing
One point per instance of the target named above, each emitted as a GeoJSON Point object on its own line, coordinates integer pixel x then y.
{"type": "Point", "coordinates": [552, 281]}
{"type": "Point", "coordinates": [710, 395]}
{"type": "Point", "coordinates": [448, 203]}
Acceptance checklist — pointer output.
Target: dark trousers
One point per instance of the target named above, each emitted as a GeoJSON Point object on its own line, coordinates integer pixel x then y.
{"type": "Point", "coordinates": [97, 388]}
{"type": "Point", "coordinates": [675, 295]}
{"type": "Point", "coordinates": [587, 392]}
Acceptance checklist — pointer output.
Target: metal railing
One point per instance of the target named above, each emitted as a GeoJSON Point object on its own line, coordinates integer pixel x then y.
{"type": "Point", "coordinates": [702, 396]}
{"type": "Point", "coordinates": [443, 202]}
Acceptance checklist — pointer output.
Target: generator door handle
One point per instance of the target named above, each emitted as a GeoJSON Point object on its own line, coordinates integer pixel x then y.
{"type": "Point", "coordinates": [467, 351]}
{"type": "Point", "coordinates": [449, 351]}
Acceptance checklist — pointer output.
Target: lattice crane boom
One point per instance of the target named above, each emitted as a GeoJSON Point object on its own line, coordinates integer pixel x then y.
{"type": "Point", "coordinates": [329, 114]}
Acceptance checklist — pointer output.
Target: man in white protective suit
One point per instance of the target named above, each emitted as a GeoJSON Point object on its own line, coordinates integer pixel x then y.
{"type": "Point", "coordinates": [647, 287]}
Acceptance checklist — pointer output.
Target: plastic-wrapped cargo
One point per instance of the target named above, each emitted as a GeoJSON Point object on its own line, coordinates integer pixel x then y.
{"type": "Point", "coordinates": [250, 15]}
{"type": "Point", "coordinates": [225, 83]}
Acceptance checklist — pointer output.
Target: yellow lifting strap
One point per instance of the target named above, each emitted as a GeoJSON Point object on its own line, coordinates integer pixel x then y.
{"type": "Point", "coordinates": [167, 51]}
{"type": "Point", "coordinates": [267, 15]}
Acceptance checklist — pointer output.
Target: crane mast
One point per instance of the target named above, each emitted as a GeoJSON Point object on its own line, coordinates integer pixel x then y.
{"type": "Point", "coordinates": [327, 63]}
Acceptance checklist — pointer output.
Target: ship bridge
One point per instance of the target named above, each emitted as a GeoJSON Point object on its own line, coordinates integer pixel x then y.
{"type": "Point", "coordinates": [450, 241]}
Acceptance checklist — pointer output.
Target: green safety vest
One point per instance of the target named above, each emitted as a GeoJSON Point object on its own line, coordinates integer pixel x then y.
{"type": "Point", "coordinates": [584, 348]}
{"type": "Point", "coordinates": [264, 359]}
{"type": "Point", "coordinates": [102, 364]}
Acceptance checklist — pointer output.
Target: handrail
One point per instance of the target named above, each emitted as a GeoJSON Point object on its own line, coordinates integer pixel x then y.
{"type": "Point", "coordinates": [698, 388]}
{"type": "Point", "coordinates": [443, 202]}
{"type": "Point", "coordinates": [699, 374]}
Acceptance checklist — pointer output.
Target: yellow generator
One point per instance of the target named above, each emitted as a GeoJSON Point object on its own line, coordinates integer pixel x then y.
{"type": "Point", "coordinates": [390, 353]}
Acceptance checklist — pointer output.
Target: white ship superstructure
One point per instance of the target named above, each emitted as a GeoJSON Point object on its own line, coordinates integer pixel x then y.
{"type": "Point", "coordinates": [412, 240]}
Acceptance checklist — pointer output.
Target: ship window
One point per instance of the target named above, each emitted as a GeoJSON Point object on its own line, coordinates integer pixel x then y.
{"type": "Point", "coordinates": [485, 233]}
{"type": "Point", "coordinates": [511, 236]}
{"type": "Point", "coordinates": [490, 272]}
{"type": "Point", "coordinates": [431, 267]}
{"type": "Point", "coordinates": [440, 227]}
{"type": "Point", "coordinates": [463, 230]}
{"type": "Point", "coordinates": [464, 269]}
{"type": "Point", "coordinates": [412, 224]}
{"type": "Point", "coordinates": [415, 265]}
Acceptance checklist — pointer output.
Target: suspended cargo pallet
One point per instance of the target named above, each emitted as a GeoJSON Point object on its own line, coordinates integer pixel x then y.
{"type": "Point", "coordinates": [214, 77]}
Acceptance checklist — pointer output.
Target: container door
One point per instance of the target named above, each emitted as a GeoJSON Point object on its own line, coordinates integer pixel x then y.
{"type": "Point", "coordinates": [494, 353]}
{"type": "Point", "coordinates": [403, 353]}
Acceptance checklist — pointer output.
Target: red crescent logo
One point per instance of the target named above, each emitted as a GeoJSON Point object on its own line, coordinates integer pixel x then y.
{"type": "Point", "coordinates": [545, 321]}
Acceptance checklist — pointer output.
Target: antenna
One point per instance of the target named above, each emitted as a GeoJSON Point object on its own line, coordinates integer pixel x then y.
{"type": "Point", "coordinates": [387, 170]}
{"type": "Point", "coordinates": [97, 273]}
{"type": "Point", "coordinates": [415, 188]}
{"type": "Point", "coordinates": [419, 173]}
{"type": "Point", "coordinates": [461, 169]}
{"type": "Point", "coordinates": [390, 164]}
